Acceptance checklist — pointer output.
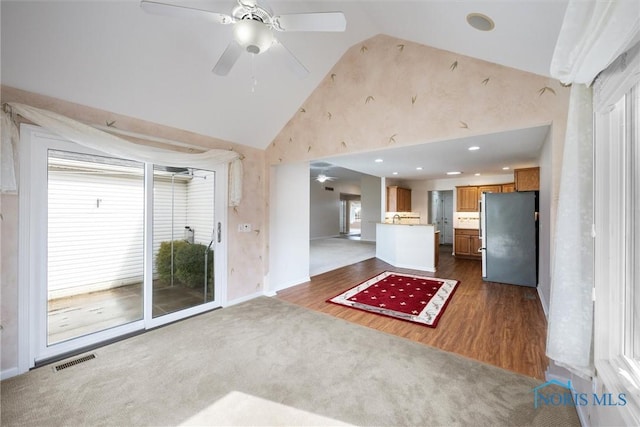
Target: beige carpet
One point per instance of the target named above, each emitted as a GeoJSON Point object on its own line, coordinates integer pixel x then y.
{"type": "Point", "coordinates": [335, 252]}
{"type": "Point", "coordinates": [282, 354]}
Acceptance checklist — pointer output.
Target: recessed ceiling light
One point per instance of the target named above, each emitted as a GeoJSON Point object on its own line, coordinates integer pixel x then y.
{"type": "Point", "coordinates": [506, 168]}
{"type": "Point", "coordinates": [474, 148]}
{"type": "Point", "coordinates": [477, 174]}
{"type": "Point", "coordinates": [419, 168]}
{"type": "Point", "coordinates": [378, 160]}
{"type": "Point", "coordinates": [395, 173]}
{"type": "Point", "coordinates": [454, 173]}
{"type": "Point", "coordinates": [480, 22]}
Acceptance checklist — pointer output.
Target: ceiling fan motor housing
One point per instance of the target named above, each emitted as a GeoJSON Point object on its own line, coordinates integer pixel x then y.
{"type": "Point", "coordinates": [253, 35]}
{"type": "Point", "coordinates": [251, 29]}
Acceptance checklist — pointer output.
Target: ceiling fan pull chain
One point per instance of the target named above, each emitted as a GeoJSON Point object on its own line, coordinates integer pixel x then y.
{"type": "Point", "coordinates": [254, 79]}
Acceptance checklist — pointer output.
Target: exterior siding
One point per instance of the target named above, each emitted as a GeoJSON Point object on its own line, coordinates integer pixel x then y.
{"type": "Point", "coordinates": [96, 225]}
{"type": "Point", "coordinates": [95, 231]}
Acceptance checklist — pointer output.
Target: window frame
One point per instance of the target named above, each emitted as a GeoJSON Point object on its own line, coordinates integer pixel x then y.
{"type": "Point", "coordinates": [617, 195]}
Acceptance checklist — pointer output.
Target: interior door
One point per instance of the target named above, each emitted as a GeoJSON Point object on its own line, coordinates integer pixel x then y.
{"type": "Point", "coordinates": [447, 209]}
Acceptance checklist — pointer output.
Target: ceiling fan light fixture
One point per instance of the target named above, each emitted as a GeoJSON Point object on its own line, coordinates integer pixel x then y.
{"type": "Point", "coordinates": [253, 35]}
{"type": "Point", "coordinates": [321, 178]}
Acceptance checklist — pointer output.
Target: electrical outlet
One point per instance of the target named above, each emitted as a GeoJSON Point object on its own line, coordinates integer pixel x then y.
{"type": "Point", "coordinates": [244, 228]}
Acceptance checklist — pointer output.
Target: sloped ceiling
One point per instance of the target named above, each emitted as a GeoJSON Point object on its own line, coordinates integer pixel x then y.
{"type": "Point", "coordinates": [113, 56]}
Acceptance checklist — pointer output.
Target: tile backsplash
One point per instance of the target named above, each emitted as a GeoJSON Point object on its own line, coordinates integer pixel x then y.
{"type": "Point", "coordinates": [405, 217]}
{"type": "Point", "coordinates": [466, 220]}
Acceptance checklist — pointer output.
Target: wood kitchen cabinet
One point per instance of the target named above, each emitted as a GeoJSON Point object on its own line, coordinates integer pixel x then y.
{"type": "Point", "coordinates": [467, 199]}
{"type": "Point", "coordinates": [509, 188]}
{"type": "Point", "coordinates": [398, 199]}
{"type": "Point", "coordinates": [467, 243]}
{"type": "Point", "coordinates": [527, 179]}
{"type": "Point", "coordinates": [489, 189]}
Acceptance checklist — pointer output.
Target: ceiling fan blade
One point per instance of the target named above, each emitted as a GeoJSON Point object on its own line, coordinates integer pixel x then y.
{"type": "Point", "coordinates": [289, 59]}
{"type": "Point", "coordinates": [319, 21]}
{"type": "Point", "coordinates": [166, 9]}
{"type": "Point", "coordinates": [228, 59]}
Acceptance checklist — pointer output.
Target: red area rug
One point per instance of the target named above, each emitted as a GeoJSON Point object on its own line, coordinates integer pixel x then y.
{"type": "Point", "coordinates": [416, 299]}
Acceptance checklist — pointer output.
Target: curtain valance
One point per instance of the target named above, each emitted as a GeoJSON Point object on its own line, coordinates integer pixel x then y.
{"type": "Point", "coordinates": [105, 142]}
{"type": "Point", "coordinates": [593, 34]}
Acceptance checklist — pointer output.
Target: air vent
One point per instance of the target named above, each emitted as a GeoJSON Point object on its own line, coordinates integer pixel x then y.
{"type": "Point", "coordinates": [73, 362]}
{"type": "Point", "coordinates": [328, 188]}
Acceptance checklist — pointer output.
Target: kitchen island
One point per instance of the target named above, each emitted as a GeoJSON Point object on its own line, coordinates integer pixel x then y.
{"type": "Point", "coordinates": [413, 246]}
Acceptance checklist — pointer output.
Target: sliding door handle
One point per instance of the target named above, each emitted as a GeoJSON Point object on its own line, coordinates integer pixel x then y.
{"type": "Point", "coordinates": [219, 232]}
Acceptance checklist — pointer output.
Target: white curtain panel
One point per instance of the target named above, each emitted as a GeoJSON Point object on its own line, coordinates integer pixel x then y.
{"type": "Point", "coordinates": [8, 147]}
{"type": "Point", "coordinates": [96, 139]}
{"type": "Point", "coordinates": [593, 34]}
{"type": "Point", "coordinates": [570, 329]}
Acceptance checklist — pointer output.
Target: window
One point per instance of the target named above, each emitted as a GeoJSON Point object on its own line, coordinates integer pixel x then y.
{"type": "Point", "coordinates": [617, 256]}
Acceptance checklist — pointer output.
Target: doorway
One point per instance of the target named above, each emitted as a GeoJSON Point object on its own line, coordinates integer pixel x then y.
{"type": "Point", "coordinates": [115, 245]}
{"type": "Point", "coordinates": [442, 214]}
{"type": "Point", "coordinates": [350, 215]}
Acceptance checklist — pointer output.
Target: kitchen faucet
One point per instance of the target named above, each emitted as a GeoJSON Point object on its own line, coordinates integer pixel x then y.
{"type": "Point", "coordinates": [396, 216]}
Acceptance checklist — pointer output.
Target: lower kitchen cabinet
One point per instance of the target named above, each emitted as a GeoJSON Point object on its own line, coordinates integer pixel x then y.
{"type": "Point", "coordinates": [467, 243]}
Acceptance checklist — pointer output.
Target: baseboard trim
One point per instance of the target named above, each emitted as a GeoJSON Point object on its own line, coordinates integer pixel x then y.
{"type": "Point", "coordinates": [8, 373]}
{"type": "Point", "coordinates": [286, 285]}
{"type": "Point", "coordinates": [244, 299]}
{"type": "Point", "coordinates": [544, 303]}
{"type": "Point", "coordinates": [583, 416]}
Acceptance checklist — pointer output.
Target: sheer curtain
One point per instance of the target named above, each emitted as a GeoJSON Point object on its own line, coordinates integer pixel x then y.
{"type": "Point", "coordinates": [105, 142]}
{"type": "Point", "coordinates": [571, 302]}
{"type": "Point", "coordinates": [594, 33]}
{"type": "Point", "coordinates": [8, 146]}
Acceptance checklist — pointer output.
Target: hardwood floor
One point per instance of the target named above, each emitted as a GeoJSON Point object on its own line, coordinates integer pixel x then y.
{"type": "Point", "coordinates": [499, 324]}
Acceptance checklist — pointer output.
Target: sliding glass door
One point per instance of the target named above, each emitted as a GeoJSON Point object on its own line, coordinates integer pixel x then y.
{"type": "Point", "coordinates": [116, 246]}
{"type": "Point", "coordinates": [184, 233]}
{"type": "Point", "coordinates": [95, 243]}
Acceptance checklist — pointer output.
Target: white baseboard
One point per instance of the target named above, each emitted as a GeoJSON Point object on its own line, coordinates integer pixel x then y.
{"type": "Point", "coordinates": [288, 284]}
{"type": "Point", "coordinates": [325, 237]}
{"type": "Point", "coordinates": [8, 373]}
{"type": "Point", "coordinates": [544, 303]}
{"type": "Point", "coordinates": [583, 416]}
{"type": "Point", "coordinates": [244, 299]}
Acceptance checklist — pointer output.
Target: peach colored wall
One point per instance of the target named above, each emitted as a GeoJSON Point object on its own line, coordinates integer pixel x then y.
{"type": "Point", "coordinates": [245, 267]}
{"type": "Point", "coordinates": [386, 92]}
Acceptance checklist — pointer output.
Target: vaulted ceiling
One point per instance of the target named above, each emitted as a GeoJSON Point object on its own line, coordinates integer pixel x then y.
{"type": "Point", "coordinates": [113, 56]}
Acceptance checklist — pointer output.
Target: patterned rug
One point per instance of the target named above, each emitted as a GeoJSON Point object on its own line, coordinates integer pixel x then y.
{"type": "Point", "coordinates": [407, 297]}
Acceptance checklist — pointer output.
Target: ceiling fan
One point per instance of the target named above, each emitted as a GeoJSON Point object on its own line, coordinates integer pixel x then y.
{"type": "Point", "coordinates": [322, 168]}
{"type": "Point", "coordinates": [253, 29]}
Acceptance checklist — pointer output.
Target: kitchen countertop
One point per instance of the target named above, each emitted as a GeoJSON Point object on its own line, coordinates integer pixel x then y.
{"type": "Point", "coordinates": [415, 225]}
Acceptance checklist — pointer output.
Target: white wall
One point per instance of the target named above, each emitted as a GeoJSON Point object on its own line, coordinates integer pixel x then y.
{"type": "Point", "coordinates": [324, 216]}
{"type": "Point", "coordinates": [288, 226]}
{"type": "Point", "coordinates": [544, 224]}
{"type": "Point", "coordinates": [371, 206]}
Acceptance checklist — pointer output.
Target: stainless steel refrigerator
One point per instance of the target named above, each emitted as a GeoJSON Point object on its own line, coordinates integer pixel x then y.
{"type": "Point", "coordinates": [509, 237]}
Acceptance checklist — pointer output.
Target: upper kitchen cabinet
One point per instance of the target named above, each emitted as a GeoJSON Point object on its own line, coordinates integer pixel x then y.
{"type": "Point", "coordinates": [527, 179]}
{"type": "Point", "coordinates": [467, 199]}
{"type": "Point", "coordinates": [509, 188]}
{"type": "Point", "coordinates": [398, 199]}
{"type": "Point", "coordinates": [489, 189]}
